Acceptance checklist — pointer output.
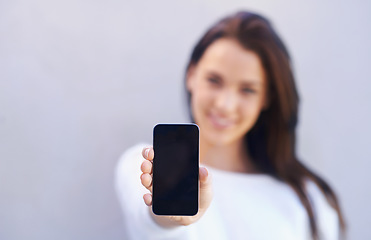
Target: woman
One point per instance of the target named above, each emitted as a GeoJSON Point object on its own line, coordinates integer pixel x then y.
{"type": "Point", "coordinates": [242, 95]}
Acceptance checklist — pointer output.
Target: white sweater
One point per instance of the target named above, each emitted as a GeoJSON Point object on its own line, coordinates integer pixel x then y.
{"type": "Point", "coordinates": [244, 206]}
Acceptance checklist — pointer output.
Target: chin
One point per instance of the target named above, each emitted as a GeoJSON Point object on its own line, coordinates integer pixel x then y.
{"type": "Point", "coordinates": [220, 138]}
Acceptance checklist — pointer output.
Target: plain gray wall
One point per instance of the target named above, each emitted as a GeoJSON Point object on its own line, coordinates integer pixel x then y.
{"type": "Point", "coordinates": [81, 81]}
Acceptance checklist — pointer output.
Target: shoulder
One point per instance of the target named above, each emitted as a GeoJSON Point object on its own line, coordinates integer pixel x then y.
{"type": "Point", "coordinates": [326, 216]}
{"type": "Point", "coordinates": [130, 157]}
{"type": "Point", "coordinates": [127, 169]}
{"type": "Point", "coordinates": [133, 152]}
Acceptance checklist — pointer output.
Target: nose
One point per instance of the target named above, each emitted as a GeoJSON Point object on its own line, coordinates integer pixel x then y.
{"type": "Point", "coordinates": [226, 101]}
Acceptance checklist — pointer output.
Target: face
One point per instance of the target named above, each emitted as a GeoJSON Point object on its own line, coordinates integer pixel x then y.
{"type": "Point", "coordinates": [228, 92]}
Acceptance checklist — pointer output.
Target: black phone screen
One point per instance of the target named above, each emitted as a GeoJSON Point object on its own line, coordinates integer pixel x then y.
{"type": "Point", "coordinates": [175, 169]}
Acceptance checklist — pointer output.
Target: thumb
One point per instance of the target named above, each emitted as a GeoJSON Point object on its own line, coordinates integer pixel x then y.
{"type": "Point", "coordinates": [204, 177]}
{"type": "Point", "coordinates": [206, 193]}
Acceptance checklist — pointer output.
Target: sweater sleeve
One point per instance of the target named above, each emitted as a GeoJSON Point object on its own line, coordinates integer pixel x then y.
{"type": "Point", "coordinates": [138, 223]}
{"type": "Point", "coordinates": [326, 217]}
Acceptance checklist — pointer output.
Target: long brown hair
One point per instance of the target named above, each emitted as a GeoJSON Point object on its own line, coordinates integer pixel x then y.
{"type": "Point", "coordinates": [271, 142]}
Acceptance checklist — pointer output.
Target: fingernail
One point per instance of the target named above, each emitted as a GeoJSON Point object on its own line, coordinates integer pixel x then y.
{"type": "Point", "coordinates": [204, 172]}
{"type": "Point", "coordinates": [147, 152]}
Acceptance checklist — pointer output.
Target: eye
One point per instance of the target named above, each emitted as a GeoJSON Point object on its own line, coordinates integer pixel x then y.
{"type": "Point", "coordinates": [248, 90]}
{"type": "Point", "coordinates": [214, 81]}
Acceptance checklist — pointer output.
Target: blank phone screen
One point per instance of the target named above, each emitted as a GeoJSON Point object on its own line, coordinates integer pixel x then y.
{"type": "Point", "coordinates": [175, 169]}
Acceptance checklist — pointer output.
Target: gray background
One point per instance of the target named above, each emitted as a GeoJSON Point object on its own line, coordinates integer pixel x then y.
{"type": "Point", "coordinates": [81, 81]}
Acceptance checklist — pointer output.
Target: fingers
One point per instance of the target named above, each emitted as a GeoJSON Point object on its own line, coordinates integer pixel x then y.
{"type": "Point", "coordinates": [146, 179]}
{"type": "Point", "coordinates": [206, 192]}
{"type": "Point", "coordinates": [146, 167]}
{"type": "Point", "coordinates": [147, 199]}
{"type": "Point", "coordinates": [205, 180]}
{"type": "Point", "coordinates": [148, 153]}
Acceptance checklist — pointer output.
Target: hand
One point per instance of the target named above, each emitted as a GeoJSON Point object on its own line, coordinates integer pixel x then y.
{"type": "Point", "coordinates": [171, 221]}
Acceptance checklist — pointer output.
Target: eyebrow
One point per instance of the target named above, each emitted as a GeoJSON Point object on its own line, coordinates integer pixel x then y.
{"type": "Point", "coordinates": [245, 82]}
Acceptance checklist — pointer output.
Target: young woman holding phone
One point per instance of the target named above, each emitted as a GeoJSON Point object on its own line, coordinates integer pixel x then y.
{"type": "Point", "coordinates": [242, 95]}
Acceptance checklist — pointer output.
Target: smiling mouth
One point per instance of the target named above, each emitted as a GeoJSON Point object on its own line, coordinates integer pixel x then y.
{"type": "Point", "coordinates": [220, 122]}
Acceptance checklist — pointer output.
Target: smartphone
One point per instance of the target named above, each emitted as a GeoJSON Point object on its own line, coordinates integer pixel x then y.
{"type": "Point", "coordinates": [175, 169]}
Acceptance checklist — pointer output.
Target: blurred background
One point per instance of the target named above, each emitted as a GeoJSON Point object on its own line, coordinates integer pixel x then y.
{"type": "Point", "coordinates": [81, 81]}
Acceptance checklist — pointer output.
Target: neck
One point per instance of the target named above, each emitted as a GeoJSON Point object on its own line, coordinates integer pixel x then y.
{"type": "Point", "coordinates": [232, 157]}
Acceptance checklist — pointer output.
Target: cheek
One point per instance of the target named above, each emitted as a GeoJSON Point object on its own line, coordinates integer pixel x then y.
{"type": "Point", "coordinates": [201, 95]}
{"type": "Point", "coordinates": [251, 108]}
{"type": "Point", "coordinates": [201, 100]}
